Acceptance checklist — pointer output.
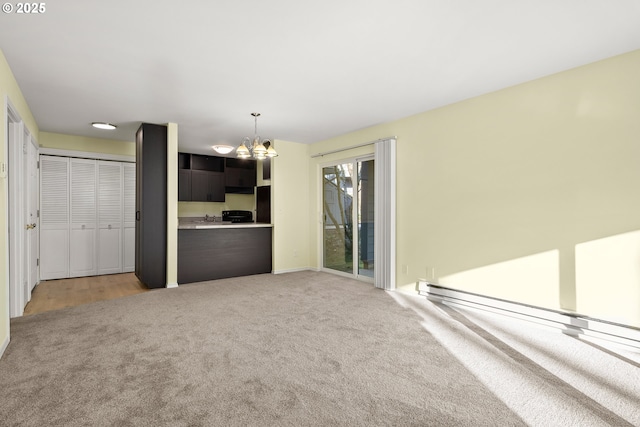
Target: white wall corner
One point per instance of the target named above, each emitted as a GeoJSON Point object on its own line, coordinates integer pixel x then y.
{"type": "Point", "coordinates": [4, 345]}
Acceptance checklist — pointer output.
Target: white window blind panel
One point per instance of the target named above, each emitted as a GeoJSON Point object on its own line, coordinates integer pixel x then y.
{"type": "Point", "coordinates": [385, 207]}
{"type": "Point", "coordinates": [109, 194]}
{"type": "Point", "coordinates": [83, 193]}
{"type": "Point", "coordinates": [54, 191]}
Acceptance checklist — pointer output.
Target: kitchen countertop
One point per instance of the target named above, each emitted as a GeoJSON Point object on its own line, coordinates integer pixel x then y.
{"type": "Point", "coordinates": [197, 224]}
{"type": "Point", "coordinates": [219, 224]}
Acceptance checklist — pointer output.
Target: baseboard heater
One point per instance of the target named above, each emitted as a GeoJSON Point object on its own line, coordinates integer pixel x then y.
{"type": "Point", "coordinates": [569, 323]}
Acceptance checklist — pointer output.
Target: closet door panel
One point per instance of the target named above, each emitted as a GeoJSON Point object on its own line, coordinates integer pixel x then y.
{"type": "Point", "coordinates": [109, 251]}
{"type": "Point", "coordinates": [82, 236]}
{"type": "Point", "coordinates": [54, 254]}
{"type": "Point", "coordinates": [54, 217]}
{"type": "Point", "coordinates": [129, 217]}
{"type": "Point", "coordinates": [82, 252]}
{"type": "Point", "coordinates": [109, 217]}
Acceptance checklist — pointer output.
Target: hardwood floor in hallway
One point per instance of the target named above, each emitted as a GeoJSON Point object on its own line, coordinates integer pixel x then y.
{"type": "Point", "coordinates": [56, 294]}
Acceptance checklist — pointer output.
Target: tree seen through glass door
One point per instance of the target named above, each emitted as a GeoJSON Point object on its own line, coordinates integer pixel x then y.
{"type": "Point", "coordinates": [342, 209]}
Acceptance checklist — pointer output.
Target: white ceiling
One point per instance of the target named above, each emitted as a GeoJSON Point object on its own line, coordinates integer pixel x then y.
{"type": "Point", "coordinates": [313, 69]}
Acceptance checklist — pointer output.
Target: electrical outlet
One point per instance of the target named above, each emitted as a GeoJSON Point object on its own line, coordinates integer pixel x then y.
{"type": "Point", "coordinates": [295, 253]}
{"type": "Point", "coordinates": [430, 273]}
{"type": "Point", "coordinates": [405, 269]}
{"type": "Point", "coordinates": [3, 170]}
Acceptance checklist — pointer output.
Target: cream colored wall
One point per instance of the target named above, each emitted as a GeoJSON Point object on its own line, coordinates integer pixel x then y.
{"type": "Point", "coordinates": [172, 205]}
{"type": "Point", "coordinates": [9, 92]}
{"type": "Point", "coordinates": [501, 193]}
{"type": "Point", "coordinates": [82, 143]}
{"type": "Point", "coordinates": [290, 207]}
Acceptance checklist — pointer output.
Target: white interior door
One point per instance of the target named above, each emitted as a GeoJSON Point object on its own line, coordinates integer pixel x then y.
{"type": "Point", "coordinates": [31, 209]}
{"type": "Point", "coordinates": [23, 212]}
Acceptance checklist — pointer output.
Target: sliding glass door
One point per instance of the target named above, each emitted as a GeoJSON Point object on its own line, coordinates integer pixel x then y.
{"type": "Point", "coordinates": [348, 227]}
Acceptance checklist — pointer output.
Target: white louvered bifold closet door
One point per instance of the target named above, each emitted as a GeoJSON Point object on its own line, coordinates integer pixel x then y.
{"type": "Point", "coordinates": [54, 217]}
{"type": "Point", "coordinates": [109, 217]}
{"type": "Point", "coordinates": [82, 235]}
{"type": "Point", "coordinates": [129, 217]}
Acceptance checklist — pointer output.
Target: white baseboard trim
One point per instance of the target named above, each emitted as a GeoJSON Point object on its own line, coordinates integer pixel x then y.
{"type": "Point", "coordinates": [569, 323]}
{"type": "Point", "coordinates": [4, 346]}
{"type": "Point", "coordinates": [294, 270]}
{"type": "Point", "coordinates": [172, 285]}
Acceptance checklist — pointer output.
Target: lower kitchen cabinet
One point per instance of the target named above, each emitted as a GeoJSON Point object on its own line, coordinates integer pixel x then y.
{"type": "Point", "coordinates": [217, 253]}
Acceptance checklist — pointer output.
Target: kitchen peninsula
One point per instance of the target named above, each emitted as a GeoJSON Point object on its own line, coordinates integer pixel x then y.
{"type": "Point", "coordinates": [209, 250]}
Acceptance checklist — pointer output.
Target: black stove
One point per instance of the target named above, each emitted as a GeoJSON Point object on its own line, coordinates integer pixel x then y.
{"type": "Point", "coordinates": [237, 216]}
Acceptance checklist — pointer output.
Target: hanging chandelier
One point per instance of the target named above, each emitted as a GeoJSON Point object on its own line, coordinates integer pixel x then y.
{"type": "Point", "coordinates": [256, 148]}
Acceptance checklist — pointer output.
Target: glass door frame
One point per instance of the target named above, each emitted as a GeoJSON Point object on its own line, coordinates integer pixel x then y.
{"type": "Point", "coordinates": [354, 215]}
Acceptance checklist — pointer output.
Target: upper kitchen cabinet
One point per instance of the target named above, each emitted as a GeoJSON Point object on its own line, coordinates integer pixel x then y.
{"type": "Point", "coordinates": [184, 177]}
{"type": "Point", "coordinates": [209, 178]}
{"type": "Point", "coordinates": [207, 186]}
{"type": "Point", "coordinates": [200, 178]}
{"type": "Point", "coordinates": [184, 185]}
{"type": "Point", "coordinates": [240, 176]}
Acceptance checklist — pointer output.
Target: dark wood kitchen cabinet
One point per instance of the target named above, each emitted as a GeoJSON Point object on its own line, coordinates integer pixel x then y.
{"type": "Point", "coordinates": [240, 176]}
{"type": "Point", "coordinates": [200, 178]}
{"type": "Point", "coordinates": [151, 205]}
{"type": "Point", "coordinates": [207, 186]}
{"type": "Point", "coordinates": [263, 204]}
{"type": "Point", "coordinates": [227, 251]}
{"type": "Point", "coordinates": [184, 185]}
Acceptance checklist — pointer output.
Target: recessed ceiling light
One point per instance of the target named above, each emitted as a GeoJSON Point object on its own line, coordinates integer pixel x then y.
{"type": "Point", "coordinates": [103, 125]}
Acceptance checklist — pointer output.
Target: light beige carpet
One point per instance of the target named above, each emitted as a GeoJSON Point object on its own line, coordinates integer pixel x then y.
{"type": "Point", "coordinates": [284, 350]}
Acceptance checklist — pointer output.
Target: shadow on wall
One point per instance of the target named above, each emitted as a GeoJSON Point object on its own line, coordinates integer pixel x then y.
{"type": "Point", "coordinates": [607, 279]}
